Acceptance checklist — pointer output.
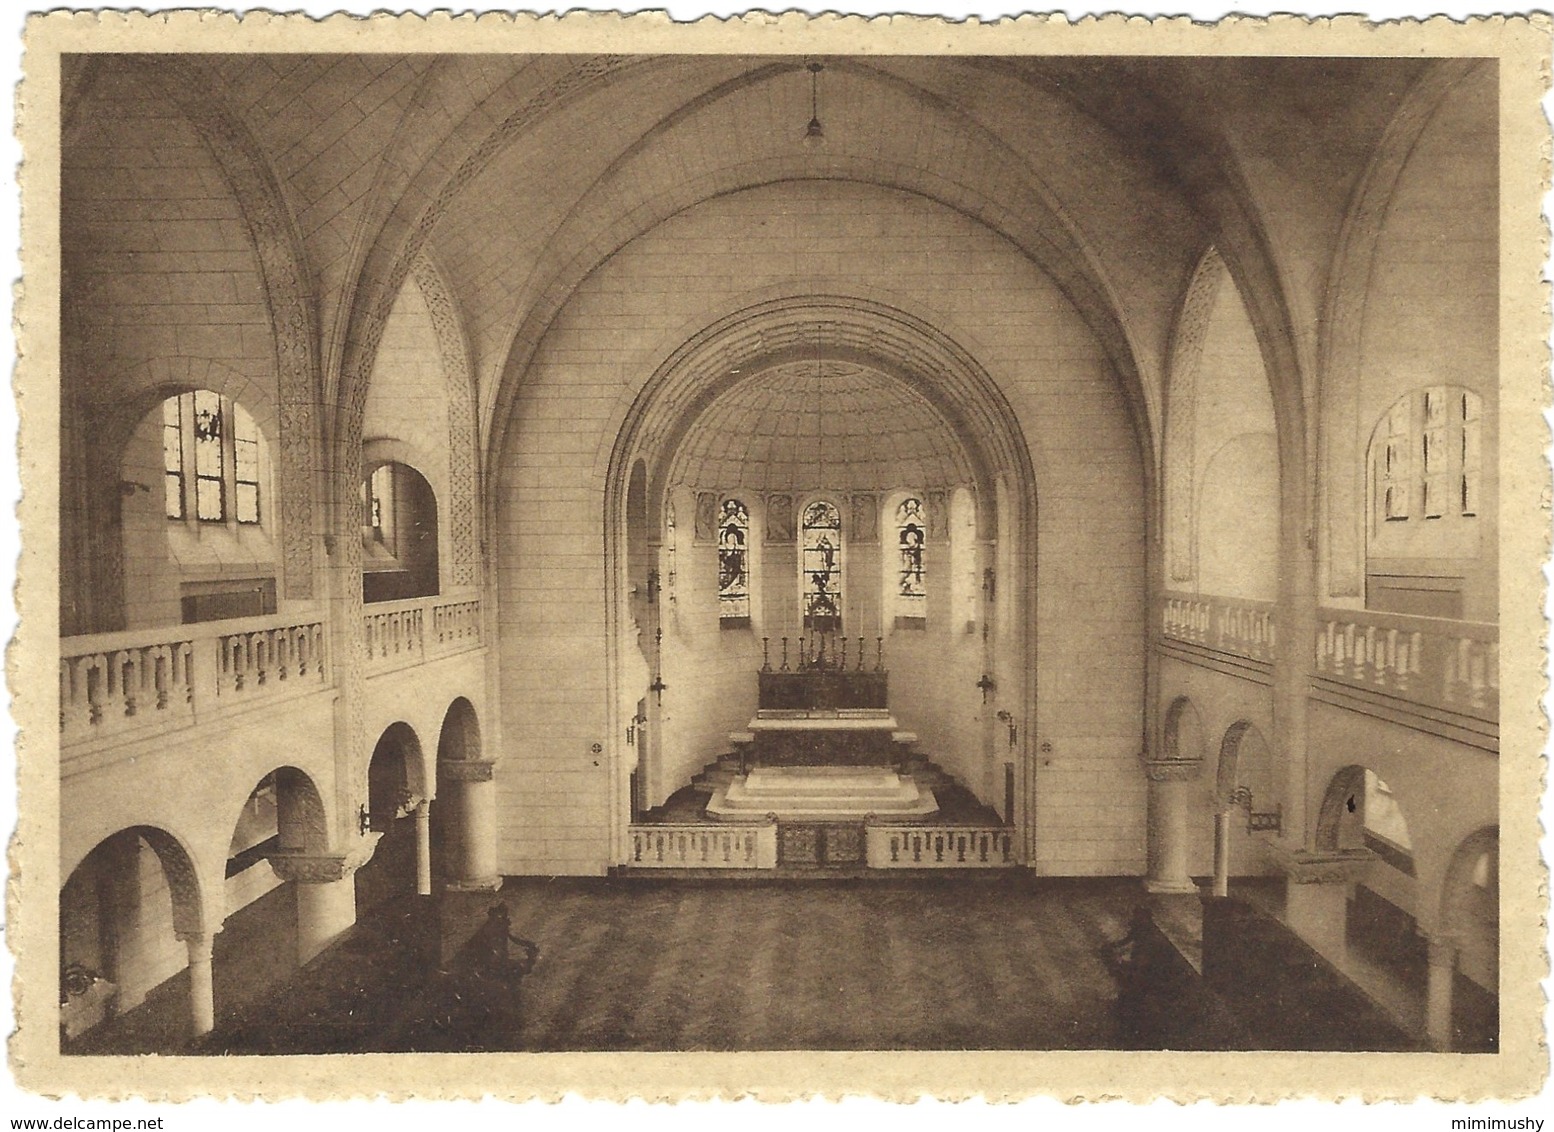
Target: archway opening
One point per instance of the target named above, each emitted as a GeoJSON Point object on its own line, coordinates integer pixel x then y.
{"type": "Point", "coordinates": [1243, 793]}
{"type": "Point", "coordinates": [812, 500]}
{"type": "Point", "coordinates": [399, 534]}
{"type": "Point", "coordinates": [124, 912]}
{"type": "Point", "coordinates": [1361, 812]}
{"type": "Point", "coordinates": [1470, 923]}
{"type": "Point", "coordinates": [258, 947]}
{"type": "Point", "coordinates": [393, 793]}
{"type": "Point", "coordinates": [874, 403]}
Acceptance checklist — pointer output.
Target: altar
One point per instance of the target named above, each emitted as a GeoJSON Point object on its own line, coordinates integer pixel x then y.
{"type": "Point", "coordinates": [823, 746]}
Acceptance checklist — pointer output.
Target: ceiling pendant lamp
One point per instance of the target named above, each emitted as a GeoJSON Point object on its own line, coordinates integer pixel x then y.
{"type": "Point", "coordinates": [814, 133]}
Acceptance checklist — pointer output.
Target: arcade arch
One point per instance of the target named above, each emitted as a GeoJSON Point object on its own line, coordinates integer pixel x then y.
{"type": "Point", "coordinates": [949, 425]}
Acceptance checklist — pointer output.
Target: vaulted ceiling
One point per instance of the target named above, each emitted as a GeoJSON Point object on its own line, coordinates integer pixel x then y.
{"type": "Point", "coordinates": [807, 426]}
{"type": "Point", "coordinates": [520, 175]}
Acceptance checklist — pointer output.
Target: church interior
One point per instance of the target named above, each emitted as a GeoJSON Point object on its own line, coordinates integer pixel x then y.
{"type": "Point", "coordinates": [1006, 546]}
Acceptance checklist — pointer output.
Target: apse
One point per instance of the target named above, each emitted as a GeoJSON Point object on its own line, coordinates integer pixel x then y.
{"type": "Point", "coordinates": [807, 514]}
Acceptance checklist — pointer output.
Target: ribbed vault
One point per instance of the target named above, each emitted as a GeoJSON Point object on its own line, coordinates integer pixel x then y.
{"type": "Point", "coordinates": [923, 366]}
{"type": "Point", "coordinates": [813, 425]}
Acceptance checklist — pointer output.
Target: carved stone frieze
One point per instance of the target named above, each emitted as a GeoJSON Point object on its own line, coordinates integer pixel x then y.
{"type": "Point", "coordinates": [1186, 353]}
{"type": "Point", "coordinates": [1341, 866]}
{"type": "Point", "coordinates": [323, 868]}
{"type": "Point", "coordinates": [463, 435]}
{"type": "Point", "coordinates": [1172, 770]}
{"type": "Point", "coordinates": [466, 770]}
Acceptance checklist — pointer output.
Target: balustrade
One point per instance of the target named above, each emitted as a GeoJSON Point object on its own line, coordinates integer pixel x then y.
{"type": "Point", "coordinates": [402, 633]}
{"type": "Point", "coordinates": [116, 683]}
{"type": "Point", "coordinates": [704, 847]}
{"type": "Point", "coordinates": [270, 658]}
{"type": "Point", "coordinates": [1441, 663]}
{"type": "Point", "coordinates": [939, 847]}
{"type": "Point", "coordinates": [395, 635]}
{"type": "Point", "coordinates": [112, 689]}
{"type": "Point", "coordinates": [1241, 628]}
{"type": "Point", "coordinates": [456, 623]}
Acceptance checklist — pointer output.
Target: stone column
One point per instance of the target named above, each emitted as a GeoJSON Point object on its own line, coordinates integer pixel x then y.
{"type": "Point", "coordinates": [1317, 896]}
{"type": "Point", "coordinates": [202, 994]}
{"type": "Point", "coordinates": [1222, 853]}
{"type": "Point", "coordinates": [1169, 801]}
{"type": "Point", "coordinates": [1438, 995]}
{"type": "Point", "coordinates": [423, 848]}
{"type": "Point", "coordinates": [326, 892]}
{"type": "Point", "coordinates": [471, 788]}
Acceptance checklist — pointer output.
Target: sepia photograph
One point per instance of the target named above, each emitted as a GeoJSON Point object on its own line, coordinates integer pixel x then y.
{"type": "Point", "coordinates": [560, 538]}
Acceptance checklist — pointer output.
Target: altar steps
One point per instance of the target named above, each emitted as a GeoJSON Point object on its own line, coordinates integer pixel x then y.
{"type": "Point", "coordinates": [726, 767]}
{"type": "Point", "coordinates": [720, 772]}
{"type": "Point", "coordinates": [957, 804]}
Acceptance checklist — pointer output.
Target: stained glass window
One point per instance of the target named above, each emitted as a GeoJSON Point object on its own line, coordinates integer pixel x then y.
{"type": "Point", "coordinates": [911, 537]}
{"type": "Point", "coordinates": [209, 462]}
{"type": "Point", "coordinates": [734, 563]}
{"type": "Point", "coordinates": [821, 532]}
{"type": "Point", "coordinates": [172, 457]}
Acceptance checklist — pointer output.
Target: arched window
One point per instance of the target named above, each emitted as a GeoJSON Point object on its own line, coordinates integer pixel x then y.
{"type": "Point", "coordinates": [211, 455]}
{"type": "Point", "coordinates": [733, 565]}
{"type": "Point", "coordinates": [906, 594]}
{"type": "Point", "coordinates": [820, 567]}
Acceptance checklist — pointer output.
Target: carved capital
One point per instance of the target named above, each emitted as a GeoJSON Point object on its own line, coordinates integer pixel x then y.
{"type": "Point", "coordinates": [1341, 866]}
{"type": "Point", "coordinates": [466, 770]}
{"type": "Point", "coordinates": [323, 868]}
{"type": "Point", "coordinates": [1172, 770]}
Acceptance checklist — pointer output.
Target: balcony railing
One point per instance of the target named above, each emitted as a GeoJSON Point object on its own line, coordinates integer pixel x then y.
{"type": "Point", "coordinates": [905, 846]}
{"type": "Point", "coordinates": [1230, 625]}
{"type": "Point", "coordinates": [1454, 665]}
{"type": "Point", "coordinates": [112, 685]}
{"type": "Point", "coordinates": [693, 846]}
{"type": "Point", "coordinates": [397, 634]}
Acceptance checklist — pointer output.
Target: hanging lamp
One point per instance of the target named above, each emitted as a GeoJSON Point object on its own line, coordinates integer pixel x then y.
{"type": "Point", "coordinates": [814, 133]}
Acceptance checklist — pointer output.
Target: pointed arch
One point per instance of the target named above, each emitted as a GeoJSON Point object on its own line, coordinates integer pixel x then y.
{"type": "Point", "coordinates": [1178, 452]}
{"type": "Point", "coordinates": [278, 245]}
{"type": "Point", "coordinates": [1343, 322]}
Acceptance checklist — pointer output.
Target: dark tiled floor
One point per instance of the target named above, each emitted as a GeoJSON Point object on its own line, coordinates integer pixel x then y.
{"type": "Point", "coordinates": [634, 964]}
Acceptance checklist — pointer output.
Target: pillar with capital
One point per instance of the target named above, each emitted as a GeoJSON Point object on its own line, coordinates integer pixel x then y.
{"type": "Point", "coordinates": [468, 787]}
{"type": "Point", "coordinates": [1316, 901]}
{"type": "Point", "coordinates": [1222, 850]}
{"type": "Point", "coordinates": [326, 892]}
{"type": "Point", "coordinates": [1169, 802]}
